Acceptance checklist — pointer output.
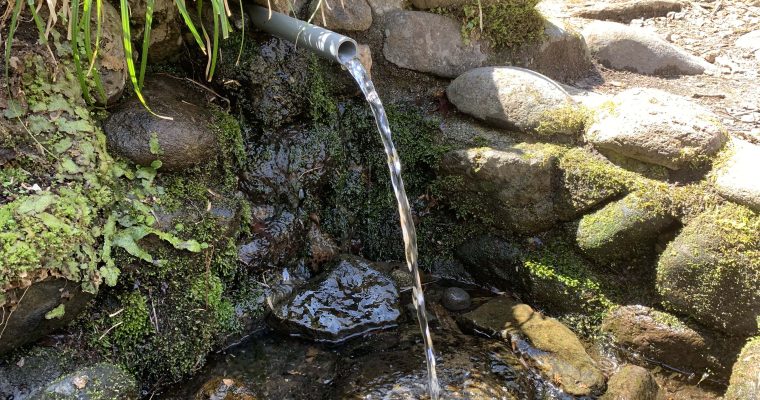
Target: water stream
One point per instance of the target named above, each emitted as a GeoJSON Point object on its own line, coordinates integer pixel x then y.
{"type": "Point", "coordinates": [359, 74]}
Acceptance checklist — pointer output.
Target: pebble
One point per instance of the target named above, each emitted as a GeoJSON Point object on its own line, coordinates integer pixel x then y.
{"type": "Point", "coordinates": [456, 299]}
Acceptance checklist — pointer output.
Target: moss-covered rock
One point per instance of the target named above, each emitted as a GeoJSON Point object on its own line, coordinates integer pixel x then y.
{"type": "Point", "coordinates": [101, 381]}
{"type": "Point", "coordinates": [587, 180]}
{"type": "Point", "coordinates": [745, 377]}
{"type": "Point", "coordinates": [556, 350]}
{"type": "Point", "coordinates": [624, 230]}
{"type": "Point", "coordinates": [632, 382]}
{"type": "Point", "coordinates": [711, 271]}
{"type": "Point", "coordinates": [513, 186]}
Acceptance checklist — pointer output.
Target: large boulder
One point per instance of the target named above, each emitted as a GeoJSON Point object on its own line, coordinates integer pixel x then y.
{"type": "Point", "coordinates": [745, 377]}
{"type": "Point", "coordinates": [711, 271]}
{"type": "Point", "coordinates": [625, 229]}
{"type": "Point", "coordinates": [507, 96]}
{"type": "Point", "coordinates": [623, 47]}
{"type": "Point", "coordinates": [626, 10]}
{"type": "Point", "coordinates": [38, 310]}
{"type": "Point", "coordinates": [553, 347]}
{"type": "Point", "coordinates": [735, 178]}
{"type": "Point", "coordinates": [183, 141]}
{"type": "Point", "coordinates": [351, 299]}
{"type": "Point", "coordinates": [429, 43]}
{"type": "Point", "coordinates": [659, 128]}
{"type": "Point", "coordinates": [344, 15]}
{"type": "Point", "coordinates": [662, 337]}
{"type": "Point", "coordinates": [561, 53]}
{"type": "Point", "coordinates": [511, 187]}
{"type": "Point", "coordinates": [632, 383]}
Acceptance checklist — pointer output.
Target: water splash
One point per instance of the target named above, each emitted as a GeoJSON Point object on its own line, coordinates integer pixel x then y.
{"type": "Point", "coordinates": [359, 74]}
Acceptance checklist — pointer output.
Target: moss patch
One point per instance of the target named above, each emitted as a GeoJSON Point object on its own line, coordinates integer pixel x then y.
{"type": "Point", "coordinates": [568, 120]}
{"type": "Point", "coordinates": [505, 23]}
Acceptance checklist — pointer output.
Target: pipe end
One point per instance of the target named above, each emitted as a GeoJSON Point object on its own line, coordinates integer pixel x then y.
{"type": "Point", "coordinates": [347, 51]}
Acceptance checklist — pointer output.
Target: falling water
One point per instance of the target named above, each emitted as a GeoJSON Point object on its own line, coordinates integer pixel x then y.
{"type": "Point", "coordinates": [407, 226]}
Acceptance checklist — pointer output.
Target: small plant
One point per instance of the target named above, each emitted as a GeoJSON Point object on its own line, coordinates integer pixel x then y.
{"type": "Point", "coordinates": [78, 16]}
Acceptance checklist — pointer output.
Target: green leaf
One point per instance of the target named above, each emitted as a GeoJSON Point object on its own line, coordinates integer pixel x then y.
{"type": "Point", "coordinates": [146, 41]}
{"type": "Point", "coordinates": [56, 312]}
{"type": "Point", "coordinates": [79, 125]}
{"type": "Point", "coordinates": [39, 123]}
{"type": "Point", "coordinates": [36, 204]}
{"type": "Point", "coordinates": [155, 146]}
{"type": "Point", "coordinates": [54, 223]}
{"type": "Point", "coordinates": [127, 240]}
{"type": "Point", "coordinates": [69, 166]}
{"type": "Point", "coordinates": [14, 109]}
{"type": "Point", "coordinates": [189, 22]}
{"type": "Point", "coordinates": [109, 274]}
{"type": "Point", "coordinates": [62, 145]}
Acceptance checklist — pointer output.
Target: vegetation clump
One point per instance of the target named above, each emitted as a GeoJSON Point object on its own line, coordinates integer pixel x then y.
{"type": "Point", "coordinates": [504, 23]}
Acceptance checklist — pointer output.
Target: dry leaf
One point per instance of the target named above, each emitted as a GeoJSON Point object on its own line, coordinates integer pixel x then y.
{"type": "Point", "coordinates": [80, 382]}
{"type": "Point", "coordinates": [20, 362]}
{"type": "Point", "coordinates": [228, 382]}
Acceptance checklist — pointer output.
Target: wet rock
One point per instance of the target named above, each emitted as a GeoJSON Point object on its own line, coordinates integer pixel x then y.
{"type": "Point", "coordinates": [110, 62]}
{"type": "Point", "coordinates": [224, 389]}
{"type": "Point", "coordinates": [554, 349]}
{"type": "Point", "coordinates": [626, 10]}
{"type": "Point", "coordinates": [28, 371]}
{"type": "Point", "coordinates": [323, 248]}
{"type": "Point", "coordinates": [632, 382]}
{"type": "Point", "coordinates": [512, 186]}
{"type": "Point", "coordinates": [507, 97]}
{"type": "Point", "coordinates": [272, 82]}
{"type": "Point", "coordinates": [182, 142]}
{"type": "Point", "coordinates": [27, 310]}
{"type": "Point", "coordinates": [623, 47]}
{"type": "Point", "coordinates": [285, 167]}
{"type": "Point", "coordinates": [456, 299]}
{"type": "Point", "coordinates": [623, 230]}
{"type": "Point", "coordinates": [224, 211]}
{"type": "Point", "coordinates": [657, 127]}
{"type": "Point", "coordinates": [749, 41]}
{"type": "Point", "coordinates": [664, 338]}
{"type": "Point", "coordinates": [745, 377]}
{"type": "Point", "coordinates": [165, 34]}
{"type": "Point", "coordinates": [344, 15]}
{"type": "Point", "coordinates": [430, 43]}
{"type": "Point", "coordinates": [277, 238]}
{"type": "Point", "coordinates": [492, 260]}
{"type": "Point", "coordinates": [351, 299]}
{"type": "Point", "coordinates": [736, 177]}
{"type": "Point", "coordinates": [561, 53]}
{"type": "Point", "coordinates": [710, 271]}
{"type": "Point", "coordinates": [100, 381]}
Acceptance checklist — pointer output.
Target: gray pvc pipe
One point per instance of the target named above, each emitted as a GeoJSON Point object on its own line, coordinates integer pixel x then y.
{"type": "Point", "coordinates": [323, 42]}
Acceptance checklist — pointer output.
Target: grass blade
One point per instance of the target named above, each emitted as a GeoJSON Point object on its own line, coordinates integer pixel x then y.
{"type": "Point", "coordinates": [37, 21]}
{"type": "Point", "coordinates": [86, 29]}
{"type": "Point", "coordinates": [215, 48]}
{"type": "Point", "coordinates": [189, 22]}
{"type": "Point", "coordinates": [242, 33]}
{"type": "Point", "coordinates": [75, 51]}
{"type": "Point", "coordinates": [9, 41]}
{"type": "Point", "coordinates": [146, 41]}
{"type": "Point", "coordinates": [127, 40]}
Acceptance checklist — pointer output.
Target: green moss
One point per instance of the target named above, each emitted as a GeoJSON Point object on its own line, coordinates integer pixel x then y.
{"type": "Point", "coordinates": [505, 23]}
{"type": "Point", "coordinates": [569, 120]}
{"type": "Point", "coordinates": [712, 269]}
{"type": "Point", "coordinates": [360, 203]}
{"type": "Point", "coordinates": [563, 281]}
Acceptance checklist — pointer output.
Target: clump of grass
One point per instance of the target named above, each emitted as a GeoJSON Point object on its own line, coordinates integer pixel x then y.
{"type": "Point", "coordinates": [77, 17]}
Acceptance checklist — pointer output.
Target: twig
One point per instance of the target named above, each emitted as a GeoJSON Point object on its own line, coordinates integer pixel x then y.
{"type": "Point", "coordinates": [7, 321]}
{"type": "Point", "coordinates": [109, 330]}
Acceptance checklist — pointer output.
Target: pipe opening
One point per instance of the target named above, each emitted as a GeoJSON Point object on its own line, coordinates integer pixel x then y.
{"type": "Point", "coordinates": [346, 51]}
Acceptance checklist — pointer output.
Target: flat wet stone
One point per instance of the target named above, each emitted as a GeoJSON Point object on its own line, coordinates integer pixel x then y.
{"type": "Point", "coordinates": [455, 299]}
{"type": "Point", "coordinates": [351, 299]}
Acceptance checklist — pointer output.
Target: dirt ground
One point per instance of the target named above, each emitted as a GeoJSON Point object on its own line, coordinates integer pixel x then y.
{"type": "Point", "coordinates": [707, 29]}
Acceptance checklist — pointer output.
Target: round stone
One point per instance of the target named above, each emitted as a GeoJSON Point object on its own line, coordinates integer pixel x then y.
{"type": "Point", "coordinates": [455, 299]}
